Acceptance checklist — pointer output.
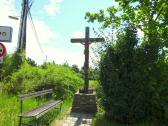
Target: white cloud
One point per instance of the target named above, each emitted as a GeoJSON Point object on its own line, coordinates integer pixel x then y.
{"type": "Point", "coordinates": [8, 8]}
{"type": "Point", "coordinates": [49, 39]}
{"type": "Point", "coordinates": [60, 56]}
{"type": "Point", "coordinates": [4, 4]}
{"type": "Point", "coordinates": [77, 34]}
{"type": "Point", "coordinates": [45, 34]}
{"type": "Point", "coordinates": [53, 7]}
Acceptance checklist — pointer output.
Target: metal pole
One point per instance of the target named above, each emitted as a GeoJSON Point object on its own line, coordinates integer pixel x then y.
{"type": "Point", "coordinates": [21, 111]}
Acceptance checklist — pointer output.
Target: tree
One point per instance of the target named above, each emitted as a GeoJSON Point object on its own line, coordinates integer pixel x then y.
{"type": "Point", "coordinates": [130, 85]}
{"type": "Point", "coordinates": [133, 73]}
{"type": "Point", "coordinates": [150, 16]}
{"type": "Point", "coordinates": [93, 73]}
{"type": "Point", "coordinates": [75, 68]}
{"type": "Point", "coordinates": [11, 64]}
{"type": "Point", "coordinates": [31, 62]}
{"type": "Point", "coordinates": [66, 64]}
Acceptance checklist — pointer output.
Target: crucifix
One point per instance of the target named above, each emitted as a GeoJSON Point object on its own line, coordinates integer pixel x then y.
{"type": "Point", "coordinates": [86, 42]}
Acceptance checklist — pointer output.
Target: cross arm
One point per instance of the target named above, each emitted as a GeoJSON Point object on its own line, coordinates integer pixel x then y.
{"type": "Point", "coordinates": [79, 40]}
{"type": "Point", "coordinates": [96, 40]}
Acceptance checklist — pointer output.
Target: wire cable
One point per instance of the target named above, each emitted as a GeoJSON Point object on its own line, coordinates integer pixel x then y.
{"type": "Point", "coordinates": [35, 33]}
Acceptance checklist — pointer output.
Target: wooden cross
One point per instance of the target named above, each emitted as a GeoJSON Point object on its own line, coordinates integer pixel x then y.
{"type": "Point", "coordinates": [86, 41]}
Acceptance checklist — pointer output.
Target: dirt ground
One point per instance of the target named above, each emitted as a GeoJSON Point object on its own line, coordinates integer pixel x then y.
{"type": "Point", "coordinates": [57, 122]}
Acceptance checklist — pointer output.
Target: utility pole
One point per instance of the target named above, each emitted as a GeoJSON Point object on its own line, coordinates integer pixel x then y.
{"type": "Point", "coordinates": [23, 25]}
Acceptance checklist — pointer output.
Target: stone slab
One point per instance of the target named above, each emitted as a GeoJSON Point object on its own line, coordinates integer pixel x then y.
{"type": "Point", "coordinates": [78, 119]}
{"type": "Point", "coordinates": [85, 103]}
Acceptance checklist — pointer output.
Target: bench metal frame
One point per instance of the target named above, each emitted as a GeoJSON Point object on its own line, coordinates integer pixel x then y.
{"type": "Point", "coordinates": [40, 110]}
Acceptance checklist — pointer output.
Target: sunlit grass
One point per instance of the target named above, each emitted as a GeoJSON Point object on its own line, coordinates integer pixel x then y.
{"type": "Point", "coordinates": [66, 108]}
{"type": "Point", "coordinates": [10, 108]}
{"type": "Point", "coordinates": [93, 84]}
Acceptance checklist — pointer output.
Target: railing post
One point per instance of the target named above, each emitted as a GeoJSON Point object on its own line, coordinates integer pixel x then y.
{"type": "Point", "coordinates": [61, 106]}
{"type": "Point", "coordinates": [21, 110]}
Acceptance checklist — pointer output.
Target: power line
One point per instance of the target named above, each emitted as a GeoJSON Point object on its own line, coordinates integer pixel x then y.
{"type": "Point", "coordinates": [35, 33]}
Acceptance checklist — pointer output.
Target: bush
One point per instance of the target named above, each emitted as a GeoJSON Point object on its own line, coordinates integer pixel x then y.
{"type": "Point", "coordinates": [131, 80]}
{"type": "Point", "coordinates": [11, 64]}
{"type": "Point", "coordinates": [63, 80]}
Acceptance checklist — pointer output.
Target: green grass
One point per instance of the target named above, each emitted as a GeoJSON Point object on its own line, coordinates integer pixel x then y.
{"type": "Point", "coordinates": [64, 113]}
{"type": "Point", "coordinates": [9, 109]}
{"type": "Point", "coordinates": [65, 108]}
{"type": "Point", "coordinates": [93, 84]}
{"type": "Point", "coordinates": [10, 106]}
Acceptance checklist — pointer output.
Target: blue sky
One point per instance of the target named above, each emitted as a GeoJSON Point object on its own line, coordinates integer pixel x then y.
{"type": "Point", "coordinates": [56, 22]}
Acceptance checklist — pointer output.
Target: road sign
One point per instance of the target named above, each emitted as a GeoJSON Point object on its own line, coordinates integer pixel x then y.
{"type": "Point", "coordinates": [5, 34]}
{"type": "Point", "coordinates": [2, 50]}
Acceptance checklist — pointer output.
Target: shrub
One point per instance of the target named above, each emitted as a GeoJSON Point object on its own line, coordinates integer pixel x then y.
{"type": "Point", "coordinates": [63, 80]}
{"type": "Point", "coordinates": [131, 80]}
{"type": "Point", "coordinates": [11, 64]}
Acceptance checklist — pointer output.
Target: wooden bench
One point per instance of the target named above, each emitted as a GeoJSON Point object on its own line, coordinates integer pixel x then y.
{"type": "Point", "coordinates": [40, 110]}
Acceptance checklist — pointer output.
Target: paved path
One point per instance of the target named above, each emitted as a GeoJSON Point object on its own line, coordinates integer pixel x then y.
{"type": "Point", "coordinates": [78, 119]}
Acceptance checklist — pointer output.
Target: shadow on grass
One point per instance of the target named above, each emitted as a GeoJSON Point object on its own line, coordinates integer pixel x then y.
{"type": "Point", "coordinates": [100, 120]}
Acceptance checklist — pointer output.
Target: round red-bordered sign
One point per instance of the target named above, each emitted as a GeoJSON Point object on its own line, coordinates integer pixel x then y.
{"type": "Point", "coordinates": [2, 50]}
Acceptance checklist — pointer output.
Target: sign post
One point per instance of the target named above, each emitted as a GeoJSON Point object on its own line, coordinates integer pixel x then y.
{"type": "Point", "coordinates": [1, 60]}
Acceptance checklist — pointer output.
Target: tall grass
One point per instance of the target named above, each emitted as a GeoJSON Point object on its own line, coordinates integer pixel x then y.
{"type": "Point", "coordinates": [66, 108]}
{"type": "Point", "coordinates": [10, 108]}
{"type": "Point", "coordinates": [93, 84]}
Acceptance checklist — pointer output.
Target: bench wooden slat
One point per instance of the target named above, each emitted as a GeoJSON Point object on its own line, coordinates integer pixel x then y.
{"type": "Point", "coordinates": [35, 94]}
{"type": "Point", "coordinates": [41, 110]}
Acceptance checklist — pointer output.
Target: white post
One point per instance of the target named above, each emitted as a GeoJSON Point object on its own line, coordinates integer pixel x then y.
{"type": "Point", "coordinates": [1, 60]}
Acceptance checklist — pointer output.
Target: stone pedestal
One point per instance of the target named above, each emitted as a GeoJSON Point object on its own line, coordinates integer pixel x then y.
{"type": "Point", "coordinates": [85, 103]}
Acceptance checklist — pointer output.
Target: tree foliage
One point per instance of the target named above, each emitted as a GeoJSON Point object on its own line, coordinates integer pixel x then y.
{"type": "Point", "coordinates": [63, 80]}
{"type": "Point", "coordinates": [21, 75]}
{"type": "Point", "coordinates": [11, 64]}
{"type": "Point", "coordinates": [132, 81]}
{"type": "Point", "coordinates": [133, 72]}
{"type": "Point", "coordinates": [150, 16]}
{"type": "Point", "coordinates": [31, 62]}
{"type": "Point", "coordinates": [75, 68]}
